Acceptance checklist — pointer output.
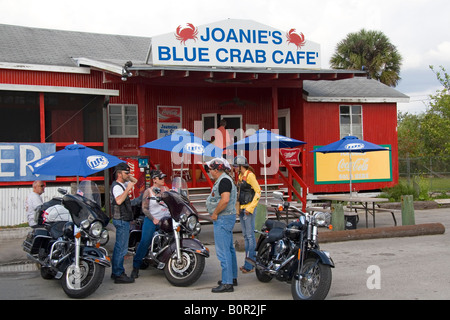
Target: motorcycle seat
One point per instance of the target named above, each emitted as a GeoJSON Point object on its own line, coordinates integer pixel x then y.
{"type": "Point", "coordinates": [271, 224]}
{"type": "Point", "coordinates": [275, 234]}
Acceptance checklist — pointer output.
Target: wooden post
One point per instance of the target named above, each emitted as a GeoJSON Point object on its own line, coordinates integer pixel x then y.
{"type": "Point", "coordinates": [337, 216]}
{"type": "Point", "coordinates": [408, 217]}
{"type": "Point", "coordinates": [42, 116]}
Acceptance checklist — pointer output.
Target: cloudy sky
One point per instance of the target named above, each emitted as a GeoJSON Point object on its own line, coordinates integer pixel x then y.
{"type": "Point", "coordinates": [419, 28]}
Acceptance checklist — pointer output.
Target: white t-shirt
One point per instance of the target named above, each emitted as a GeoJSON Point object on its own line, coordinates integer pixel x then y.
{"type": "Point", "coordinates": [117, 191]}
{"type": "Point", "coordinates": [32, 202]}
{"type": "Point", "coordinates": [157, 210]}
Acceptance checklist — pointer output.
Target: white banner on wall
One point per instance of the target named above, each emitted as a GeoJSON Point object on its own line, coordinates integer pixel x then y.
{"type": "Point", "coordinates": [235, 43]}
{"type": "Point", "coordinates": [169, 120]}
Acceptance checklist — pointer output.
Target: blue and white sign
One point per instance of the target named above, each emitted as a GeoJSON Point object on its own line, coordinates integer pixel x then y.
{"type": "Point", "coordinates": [235, 43]}
{"type": "Point", "coordinates": [15, 157]}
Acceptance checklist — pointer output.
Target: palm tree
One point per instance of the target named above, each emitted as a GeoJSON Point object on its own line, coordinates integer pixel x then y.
{"type": "Point", "coordinates": [370, 51]}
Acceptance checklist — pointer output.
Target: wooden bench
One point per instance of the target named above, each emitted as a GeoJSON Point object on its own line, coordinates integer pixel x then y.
{"type": "Point", "coordinates": [377, 209]}
{"type": "Point", "coordinates": [318, 209]}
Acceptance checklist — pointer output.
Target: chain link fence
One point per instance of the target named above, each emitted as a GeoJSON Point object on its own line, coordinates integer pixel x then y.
{"type": "Point", "coordinates": [431, 171]}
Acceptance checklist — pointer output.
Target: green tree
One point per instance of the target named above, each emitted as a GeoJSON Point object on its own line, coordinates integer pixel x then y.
{"type": "Point", "coordinates": [427, 134]}
{"type": "Point", "coordinates": [410, 141]}
{"type": "Point", "coordinates": [371, 51]}
{"type": "Point", "coordinates": [436, 121]}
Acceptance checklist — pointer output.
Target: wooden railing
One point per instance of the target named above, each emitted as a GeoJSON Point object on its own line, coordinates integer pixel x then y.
{"type": "Point", "coordinates": [292, 175]}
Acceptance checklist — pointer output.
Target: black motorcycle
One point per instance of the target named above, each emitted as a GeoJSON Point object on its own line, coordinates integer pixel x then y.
{"type": "Point", "coordinates": [174, 248]}
{"type": "Point", "coordinates": [291, 253]}
{"type": "Point", "coordinates": [66, 242]}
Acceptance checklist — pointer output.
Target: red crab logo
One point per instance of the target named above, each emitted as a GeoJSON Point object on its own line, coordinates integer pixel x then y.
{"type": "Point", "coordinates": [296, 38]}
{"type": "Point", "coordinates": [186, 33]}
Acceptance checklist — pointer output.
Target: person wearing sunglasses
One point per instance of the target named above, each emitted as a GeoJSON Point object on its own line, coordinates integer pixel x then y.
{"type": "Point", "coordinates": [154, 212]}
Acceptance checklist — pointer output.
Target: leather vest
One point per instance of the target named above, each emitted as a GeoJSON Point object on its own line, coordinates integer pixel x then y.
{"type": "Point", "coordinates": [120, 212]}
{"type": "Point", "coordinates": [213, 199]}
{"type": "Point", "coordinates": [246, 192]}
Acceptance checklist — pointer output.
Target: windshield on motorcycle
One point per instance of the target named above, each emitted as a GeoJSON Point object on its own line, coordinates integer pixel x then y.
{"type": "Point", "coordinates": [180, 185]}
{"type": "Point", "coordinates": [86, 204]}
{"type": "Point", "coordinates": [177, 199]}
{"type": "Point", "coordinates": [89, 190]}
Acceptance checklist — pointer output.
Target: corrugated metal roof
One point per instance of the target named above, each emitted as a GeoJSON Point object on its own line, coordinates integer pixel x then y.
{"type": "Point", "coordinates": [358, 89]}
{"type": "Point", "coordinates": [56, 47]}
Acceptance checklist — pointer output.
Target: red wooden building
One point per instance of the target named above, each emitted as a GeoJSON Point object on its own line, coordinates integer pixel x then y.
{"type": "Point", "coordinates": [114, 93]}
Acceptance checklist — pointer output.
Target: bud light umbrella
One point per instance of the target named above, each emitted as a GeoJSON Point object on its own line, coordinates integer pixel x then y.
{"type": "Point", "coordinates": [184, 141]}
{"type": "Point", "coordinates": [74, 160]}
{"type": "Point", "coordinates": [350, 144]}
{"type": "Point", "coordinates": [265, 139]}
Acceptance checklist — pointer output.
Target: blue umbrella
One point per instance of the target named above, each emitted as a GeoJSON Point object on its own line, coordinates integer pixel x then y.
{"type": "Point", "coordinates": [183, 141]}
{"type": "Point", "coordinates": [265, 139]}
{"type": "Point", "coordinates": [74, 160]}
{"type": "Point", "coordinates": [350, 144]}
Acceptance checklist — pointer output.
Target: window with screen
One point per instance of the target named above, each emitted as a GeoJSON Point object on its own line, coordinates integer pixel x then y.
{"type": "Point", "coordinates": [351, 121]}
{"type": "Point", "coordinates": [123, 120]}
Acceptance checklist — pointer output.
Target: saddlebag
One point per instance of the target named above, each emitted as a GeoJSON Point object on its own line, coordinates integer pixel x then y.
{"type": "Point", "coordinates": [36, 239]}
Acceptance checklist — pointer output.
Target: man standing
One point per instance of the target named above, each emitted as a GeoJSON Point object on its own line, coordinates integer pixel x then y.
{"type": "Point", "coordinates": [122, 215]}
{"type": "Point", "coordinates": [221, 205]}
{"type": "Point", "coordinates": [34, 200]}
{"type": "Point", "coordinates": [222, 139]}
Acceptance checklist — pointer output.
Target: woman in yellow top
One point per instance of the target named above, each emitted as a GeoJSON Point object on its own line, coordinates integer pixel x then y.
{"type": "Point", "coordinates": [248, 197]}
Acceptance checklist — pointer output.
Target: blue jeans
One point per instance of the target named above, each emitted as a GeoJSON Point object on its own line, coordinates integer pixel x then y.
{"type": "Point", "coordinates": [248, 231]}
{"type": "Point", "coordinates": [121, 246]}
{"type": "Point", "coordinates": [148, 230]}
{"type": "Point", "coordinates": [223, 238]}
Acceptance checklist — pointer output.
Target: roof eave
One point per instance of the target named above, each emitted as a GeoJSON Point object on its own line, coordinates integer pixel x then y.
{"type": "Point", "coordinates": [357, 99]}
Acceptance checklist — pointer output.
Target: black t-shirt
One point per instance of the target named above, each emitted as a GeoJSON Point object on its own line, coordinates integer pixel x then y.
{"type": "Point", "coordinates": [225, 186]}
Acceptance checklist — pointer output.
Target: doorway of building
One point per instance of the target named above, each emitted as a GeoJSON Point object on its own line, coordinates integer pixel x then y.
{"type": "Point", "coordinates": [234, 123]}
{"type": "Point", "coordinates": [284, 122]}
{"type": "Point", "coordinates": [284, 127]}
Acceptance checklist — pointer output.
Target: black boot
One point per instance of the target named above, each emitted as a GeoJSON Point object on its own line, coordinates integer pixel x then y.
{"type": "Point", "coordinates": [135, 273]}
{"type": "Point", "coordinates": [123, 278]}
{"type": "Point", "coordinates": [235, 283]}
{"type": "Point", "coordinates": [223, 288]}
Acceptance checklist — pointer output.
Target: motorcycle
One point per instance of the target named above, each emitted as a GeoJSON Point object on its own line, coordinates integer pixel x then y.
{"type": "Point", "coordinates": [174, 248]}
{"type": "Point", "coordinates": [291, 253]}
{"type": "Point", "coordinates": [66, 242]}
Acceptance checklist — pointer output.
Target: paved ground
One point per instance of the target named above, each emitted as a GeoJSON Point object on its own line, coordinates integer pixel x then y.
{"type": "Point", "coordinates": [393, 268]}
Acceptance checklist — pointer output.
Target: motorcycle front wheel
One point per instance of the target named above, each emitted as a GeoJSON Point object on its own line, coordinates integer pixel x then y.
{"type": "Point", "coordinates": [314, 282]}
{"type": "Point", "coordinates": [83, 283]}
{"type": "Point", "coordinates": [185, 272]}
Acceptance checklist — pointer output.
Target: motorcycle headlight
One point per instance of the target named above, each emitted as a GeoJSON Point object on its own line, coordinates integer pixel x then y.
{"type": "Point", "coordinates": [198, 228]}
{"type": "Point", "coordinates": [191, 223]}
{"type": "Point", "coordinates": [85, 224]}
{"type": "Point", "coordinates": [96, 229]}
{"type": "Point", "coordinates": [104, 234]}
{"type": "Point", "coordinates": [322, 219]}
{"type": "Point", "coordinates": [183, 218]}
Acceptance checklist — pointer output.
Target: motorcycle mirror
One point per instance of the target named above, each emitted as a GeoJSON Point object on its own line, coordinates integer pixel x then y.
{"type": "Point", "coordinates": [62, 191]}
{"type": "Point", "coordinates": [156, 190]}
{"type": "Point", "coordinates": [278, 195]}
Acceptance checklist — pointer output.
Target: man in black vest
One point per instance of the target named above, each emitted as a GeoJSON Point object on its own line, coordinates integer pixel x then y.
{"type": "Point", "coordinates": [122, 215]}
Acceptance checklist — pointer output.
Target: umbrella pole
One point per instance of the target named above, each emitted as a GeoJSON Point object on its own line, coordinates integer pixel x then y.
{"type": "Point", "coordinates": [265, 169]}
{"type": "Point", "coordinates": [350, 178]}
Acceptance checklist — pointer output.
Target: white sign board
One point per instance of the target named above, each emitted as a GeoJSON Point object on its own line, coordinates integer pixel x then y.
{"type": "Point", "coordinates": [235, 43]}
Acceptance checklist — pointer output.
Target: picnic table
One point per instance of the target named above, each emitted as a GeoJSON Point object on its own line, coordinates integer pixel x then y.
{"type": "Point", "coordinates": [366, 203]}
